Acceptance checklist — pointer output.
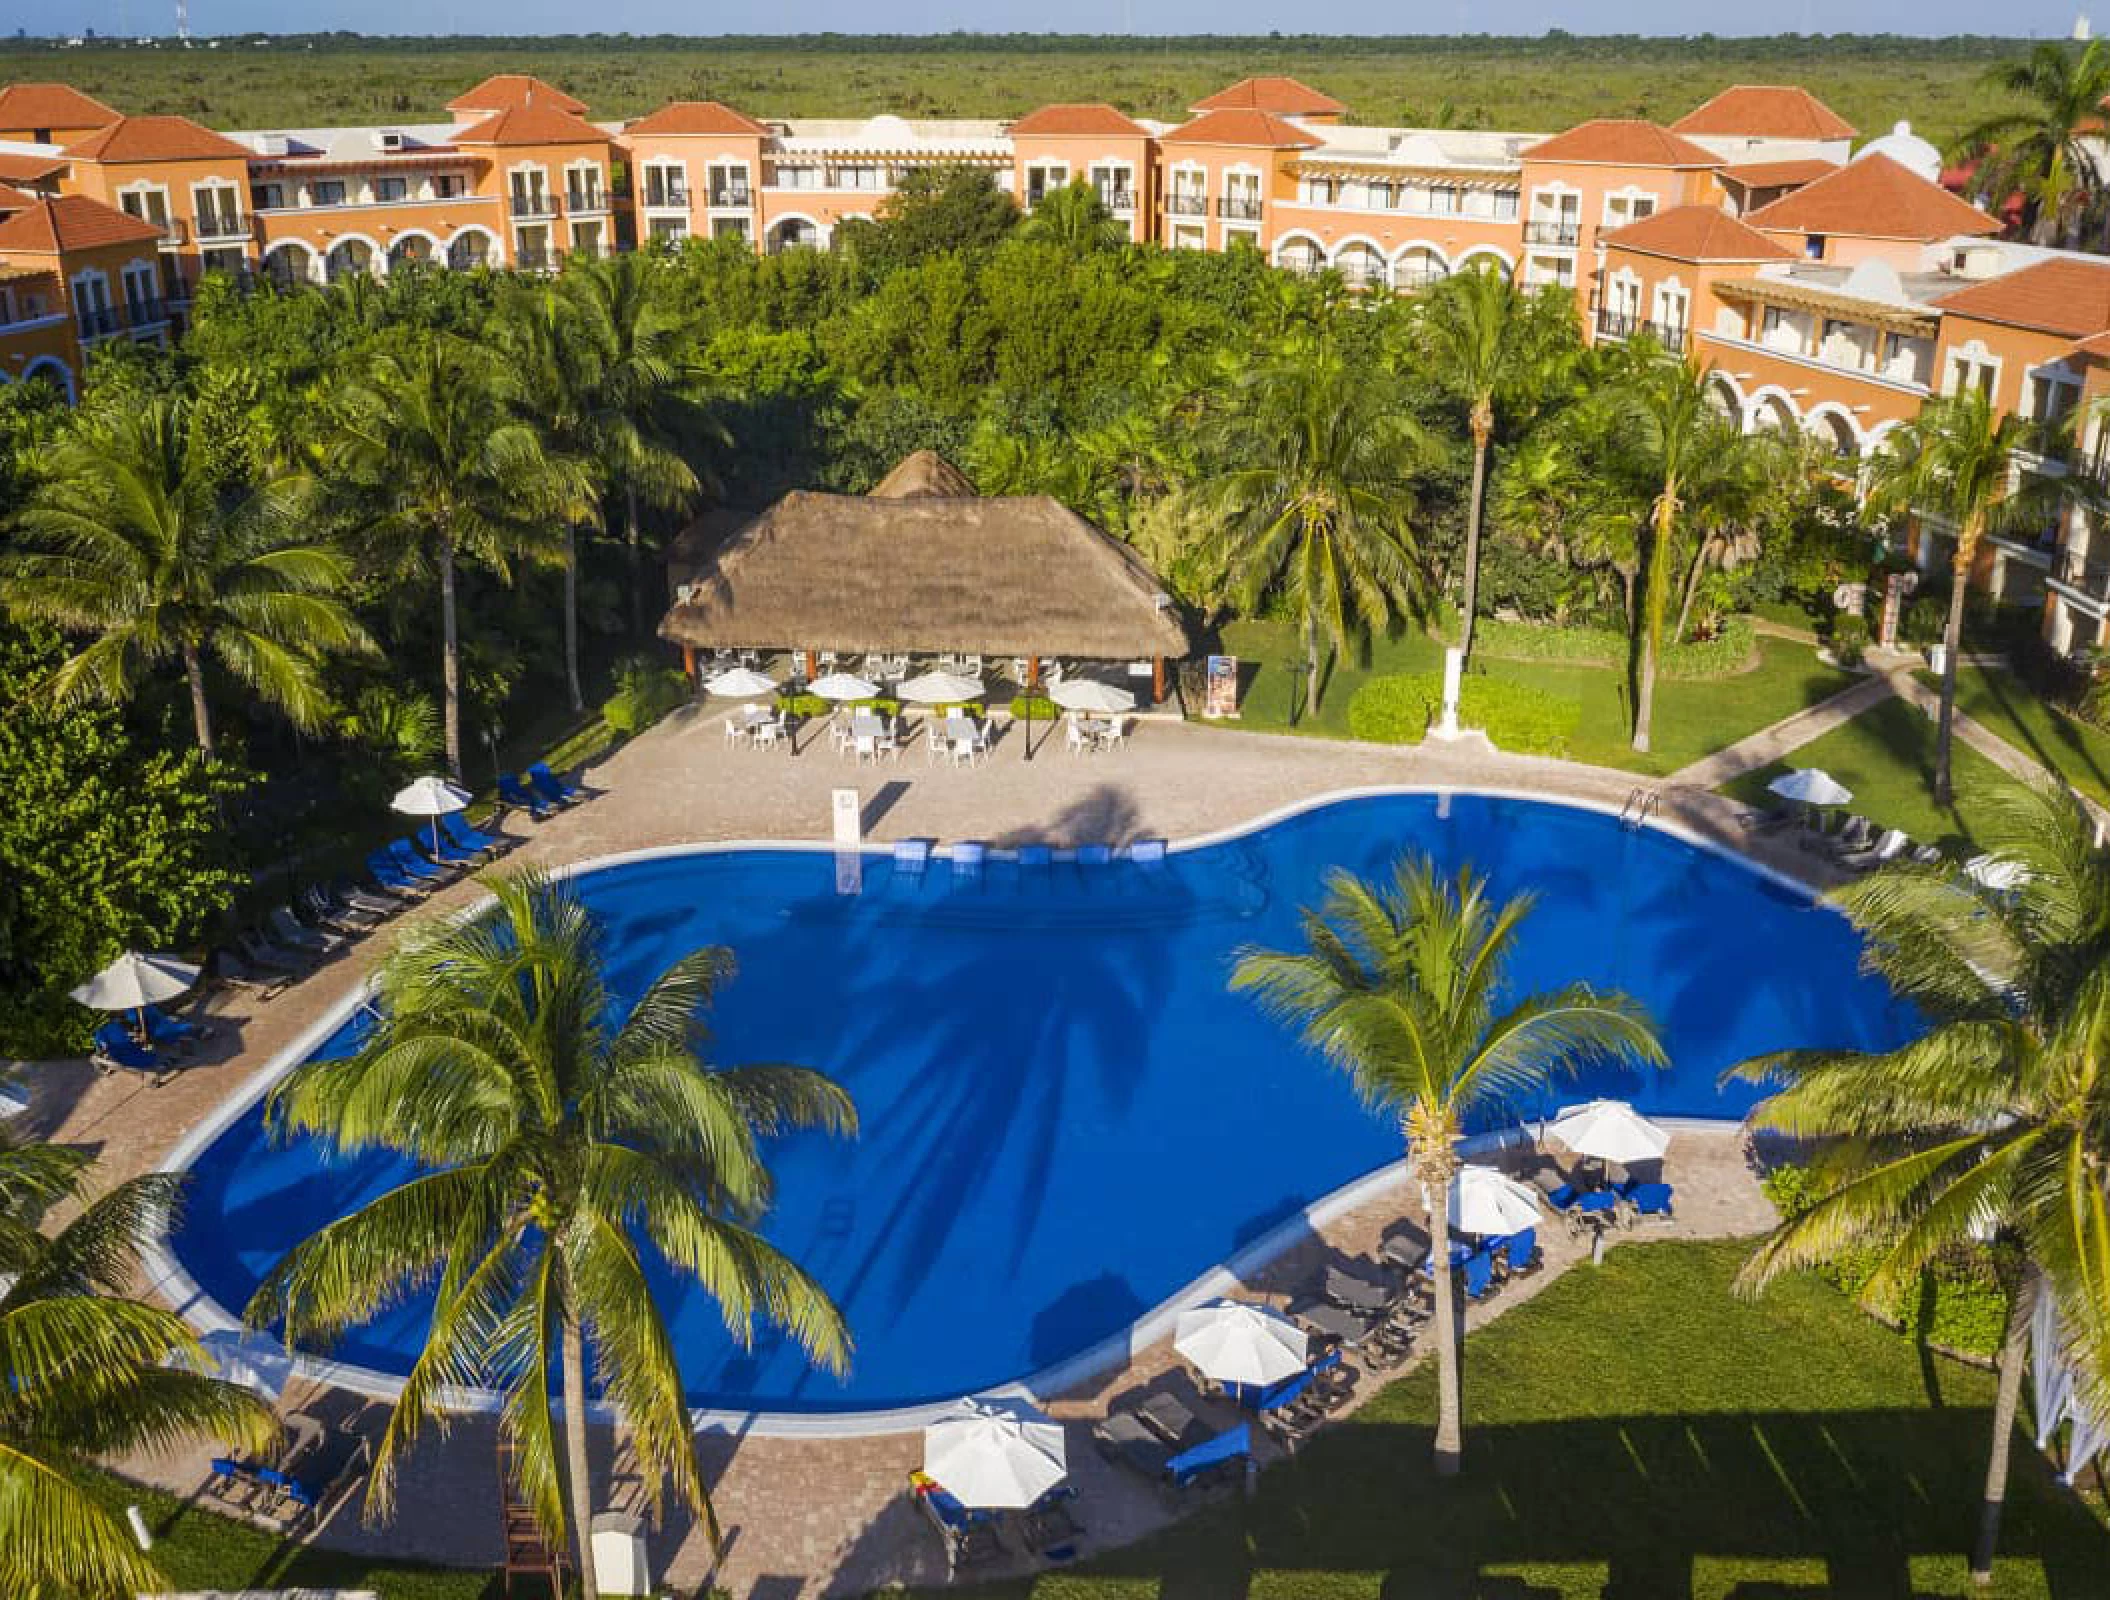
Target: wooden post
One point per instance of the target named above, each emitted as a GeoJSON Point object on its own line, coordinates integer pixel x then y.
{"type": "Point", "coordinates": [1032, 672]}
{"type": "Point", "coordinates": [1157, 680]}
{"type": "Point", "coordinates": [688, 663]}
{"type": "Point", "coordinates": [811, 662]}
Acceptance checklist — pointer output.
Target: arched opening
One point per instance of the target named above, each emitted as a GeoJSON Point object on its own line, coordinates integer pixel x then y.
{"type": "Point", "coordinates": [1722, 394]}
{"type": "Point", "coordinates": [346, 257]}
{"type": "Point", "coordinates": [1485, 259]}
{"type": "Point", "coordinates": [1419, 267]}
{"type": "Point", "coordinates": [414, 248]}
{"type": "Point", "coordinates": [793, 233]}
{"type": "Point", "coordinates": [289, 263]}
{"type": "Point", "coordinates": [1836, 434]}
{"type": "Point", "coordinates": [1360, 265]}
{"type": "Point", "coordinates": [51, 370]}
{"type": "Point", "coordinates": [1773, 411]}
{"type": "Point", "coordinates": [469, 249]}
{"type": "Point", "coordinates": [1300, 254]}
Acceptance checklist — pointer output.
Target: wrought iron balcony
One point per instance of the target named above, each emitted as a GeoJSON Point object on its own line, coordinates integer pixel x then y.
{"type": "Point", "coordinates": [666, 195]}
{"type": "Point", "coordinates": [1179, 203]}
{"type": "Point", "coordinates": [95, 322]}
{"type": "Point", "coordinates": [731, 195]}
{"type": "Point", "coordinates": [1244, 208]}
{"type": "Point", "coordinates": [1567, 234]}
{"type": "Point", "coordinates": [533, 205]}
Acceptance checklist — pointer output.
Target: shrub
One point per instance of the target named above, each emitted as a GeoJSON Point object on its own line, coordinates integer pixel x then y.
{"type": "Point", "coordinates": [1924, 619]}
{"type": "Point", "coordinates": [1518, 717]}
{"type": "Point", "coordinates": [1728, 652]}
{"type": "Point", "coordinates": [1395, 709]}
{"type": "Point", "coordinates": [802, 705]}
{"type": "Point", "coordinates": [1849, 638]}
{"type": "Point", "coordinates": [1037, 706]}
{"type": "Point", "coordinates": [645, 692]}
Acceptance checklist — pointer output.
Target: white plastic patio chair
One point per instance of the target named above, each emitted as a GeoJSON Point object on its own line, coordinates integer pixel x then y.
{"type": "Point", "coordinates": [1113, 734]}
{"type": "Point", "coordinates": [736, 729]}
{"type": "Point", "coordinates": [1074, 739]}
{"type": "Point", "coordinates": [768, 735]}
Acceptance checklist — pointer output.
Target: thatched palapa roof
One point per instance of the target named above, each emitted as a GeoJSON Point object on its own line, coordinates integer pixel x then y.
{"type": "Point", "coordinates": [922, 563]}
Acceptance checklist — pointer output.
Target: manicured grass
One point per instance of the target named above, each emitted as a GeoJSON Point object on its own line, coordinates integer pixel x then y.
{"type": "Point", "coordinates": [1638, 1430]}
{"type": "Point", "coordinates": [1886, 757]}
{"type": "Point", "coordinates": [2009, 707]}
{"type": "Point", "coordinates": [1693, 719]}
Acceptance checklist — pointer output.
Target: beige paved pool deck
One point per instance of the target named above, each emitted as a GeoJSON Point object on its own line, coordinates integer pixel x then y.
{"type": "Point", "coordinates": [811, 1518]}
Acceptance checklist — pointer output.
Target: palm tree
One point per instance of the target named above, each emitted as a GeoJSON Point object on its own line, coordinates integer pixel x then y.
{"type": "Point", "coordinates": [1552, 495]}
{"type": "Point", "coordinates": [556, 1148]}
{"type": "Point", "coordinates": [437, 470]}
{"type": "Point", "coordinates": [1316, 492]}
{"type": "Point", "coordinates": [84, 1372]}
{"type": "Point", "coordinates": [136, 534]}
{"type": "Point", "coordinates": [1403, 988]}
{"type": "Point", "coordinates": [1991, 1124]}
{"type": "Point", "coordinates": [1075, 218]}
{"type": "Point", "coordinates": [2045, 151]}
{"type": "Point", "coordinates": [1487, 344]}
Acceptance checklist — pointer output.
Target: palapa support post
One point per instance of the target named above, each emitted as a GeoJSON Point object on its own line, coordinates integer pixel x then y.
{"type": "Point", "coordinates": [811, 662]}
{"type": "Point", "coordinates": [1032, 672]}
{"type": "Point", "coordinates": [1157, 680]}
{"type": "Point", "coordinates": [688, 663]}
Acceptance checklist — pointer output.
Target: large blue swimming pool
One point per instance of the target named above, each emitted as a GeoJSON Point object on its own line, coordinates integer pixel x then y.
{"type": "Point", "coordinates": [1066, 1116]}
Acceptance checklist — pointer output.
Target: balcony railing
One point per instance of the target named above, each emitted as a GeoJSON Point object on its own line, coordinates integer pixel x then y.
{"type": "Point", "coordinates": [728, 196]}
{"type": "Point", "coordinates": [585, 200]}
{"type": "Point", "coordinates": [1554, 233]}
{"type": "Point", "coordinates": [529, 259]}
{"type": "Point", "coordinates": [175, 232]}
{"type": "Point", "coordinates": [1178, 204]}
{"type": "Point", "coordinates": [95, 322]}
{"type": "Point", "coordinates": [663, 196]}
{"type": "Point", "coordinates": [1244, 208]}
{"type": "Point", "coordinates": [146, 313]}
{"type": "Point", "coordinates": [533, 205]}
{"type": "Point", "coordinates": [2076, 571]}
{"type": "Point", "coordinates": [222, 225]}
{"type": "Point", "coordinates": [1121, 202]}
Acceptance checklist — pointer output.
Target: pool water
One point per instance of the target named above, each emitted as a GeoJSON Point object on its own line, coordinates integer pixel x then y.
{"type": "Point", "coordinates": [1066, 1116]}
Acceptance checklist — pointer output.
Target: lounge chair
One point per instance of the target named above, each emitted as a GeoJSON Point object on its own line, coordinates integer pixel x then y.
{"type": "Point", "coordinates": [445, 850]}
{"type": "Point", "coordinates": [911, 856]}
{"type": "Point", "coordinates": [1049, 1527]}
{"type": "Point", "coordinates": [1893, 844]}
{"type": "Point", "coordinates": [1094, 855]}
{"type": "Point", "coordinates": [391, 877]}
{"type": "Point", "coordinates": [168, 1032]}
{"type": "Point", "coordinates": [1035, 855]}
{"type": "Point", "coordinates": [1354, 1292]}
{"type": "Point", "coordinates": [405, 855]}
{"type": "Point", "coordinates": [970, 1536]}
{"type": "Point", "coordinates": [349, 907]}
{"type": "Point", "coordinates": [229, 968]}
{"type": "Point", "coordinates": [1124, 1440]}
{"type": "Point", "coordinates": [470, 837]}
{"type": "Point", "coordinates": [294, 934]}
{"type": "Point", "coordinates": [514, 794]}
{"type": "Point", "coordinates": [1167, 1416]}
{"type": "Point", "coordinates": [1653, 1200]}
{"type": "Point", "coordinates": [1770, 819]}
{"type": "Point", "coordinates": [259, 951]}
{"type": "Point", "coordinates": [1405, 1251]}
{"type": "Point", "coordinates": [117, 1051]}
{"type": "Point", "coordinates": [1147, 852]}
{"type": "Point", "coordinates": [1520, 1254]}
{"type": "Point", "coordinates": [560, 793]}
{"type": "Point", "coordinates": [968, 857]}
{"type": "Point", "coordinates": [1218, 1460]}
{"type": "Point", "coordinates": [1345, 1327]}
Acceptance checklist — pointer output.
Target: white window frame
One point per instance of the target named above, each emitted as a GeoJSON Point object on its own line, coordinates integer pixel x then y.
{"type": "Point", "coordinates": [216, 186]}
{"type": "Point", "coordinates": [1041, 167]}
{"type": "Point", "coordinates": [143, 187]}
{"type": "Point", "coordinates": [540, 186]}
{"type": "Point", "coordinates": [1630, 194]}
{"type": "Point", "coordinates": [585, 165]}
{"type": "Point", "coordinates": [716, 170]}
{"type": "Point", "coordinates": [2056, 373]}
{"type": "Point", "coordinates": [671, 171]}
{"type": "Point", "coordinates": [1970, 360]}
{"type": "Point", "coordinates": [1125, 170]}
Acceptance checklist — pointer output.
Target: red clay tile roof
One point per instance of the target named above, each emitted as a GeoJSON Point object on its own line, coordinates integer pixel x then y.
{"type": "Point", "coordinates": [536, 124]}
{"type": "Point", "coordinates": [1696, 233]}
{"type": "Point", "coordinates": [156, 139]}
{"type": "Point", "coordinates": [1613, 142]}
{"type": "Point", "coordinates": [72, 222]}
{"type": "Point", "coordinates": [1779, 174]}
{"type": "Point", "coordinates": [1262, 129]}
{"type": "Point", "coordinates": [1765, 111]}
{"type": "Point", "coordinates": [29, 169]}
{"type": "Point", "coordinates": [1286, 97]}
{"type": "Point", "coordinates": [2099, 347]}
{"type": "Point", "coordinates": [697, 116]}
{"type": "Point", "coordinates": [1077, 121]}
{"type": "Point", "coordinates": [51, 105]}
{"type": "Point", "coordinates": [507, 91]}
{"type": "Point", "coordinates": [13, 199]}
{"type": "Point", "coordinates": [2058, 296]}
{"type": "Point", "coordinates": [1873, 198]}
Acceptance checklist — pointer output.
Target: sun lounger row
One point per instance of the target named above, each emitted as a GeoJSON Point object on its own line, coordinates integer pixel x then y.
{"type": "Point", "coordinates": [1619, 1204]}
{"type": "Point", "coordinates": [538, 791]}
{"type": "Point", "coordinates": [1163, 1442]}
{"type": "Point", "coordinates": [1047, 1529]}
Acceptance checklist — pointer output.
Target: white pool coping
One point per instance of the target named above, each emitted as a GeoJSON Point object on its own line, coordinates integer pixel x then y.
{"type": "Point", "coordinates": [173, 1282]}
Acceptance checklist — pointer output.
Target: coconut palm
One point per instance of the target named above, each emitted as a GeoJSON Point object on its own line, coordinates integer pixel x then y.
{"type": "Point", "coordinates": [436, 471]}
{"type": "Point", "coordinates": [1496, 353]}
{"type": "Point", "coordinates": [1075, 218]}
{"type": "Point", "coordinates": [138, 533]}
{"type": "Point", "coordinates": [557, 1149]}
{"type": "Point", "coordinates": [1403, 987]}
{"type": "Point", "coordinates": [1315, 489]}
{"type": "Point", "coordinates": [1992, 1123]}
{"type": "Point", "coordinates": [2048, 150]}
{"type": "Point", "coordinates": [85, 1371]}
{"type": "Point", "coordinates": [1552, 495]}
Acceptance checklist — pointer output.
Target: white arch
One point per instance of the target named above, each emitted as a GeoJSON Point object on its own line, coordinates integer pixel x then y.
{"type": "Point", "coordinates": [1371, 268]}
{"type": "Point", "coordinates": [493, 247]}
{"type": "Point", "coordinates": [1486, 252]}
{"type": "Point", "coordinates": [1735, 405]}
{"type": "Point", "coordinates": [376, 254]}
{"type": "Point", "coordinates": [1418, 264]}
{"type": "Point", "coordinates": [1830, 411]}
{"type": "Point", "coordinates": [1427, 247]}
{"type": "Point", "coordinates": [820, 233]}
{"type": "Point", "coordinates": [432, 242]}
{"type": "Point", "coordinates": [1755, 407]}
{"type": "Point", "coordinates": [306, 273]}
{"type": "Point", "coordinates": [1878, 436]}
{"type": "Point", "coordinates": [1364, 239]}
{"type": "Point", "coordinates": [60, 373]}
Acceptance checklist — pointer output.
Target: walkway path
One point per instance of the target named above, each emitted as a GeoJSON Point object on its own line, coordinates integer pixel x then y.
{"type": "Point", "coordinates": [1761, 749]}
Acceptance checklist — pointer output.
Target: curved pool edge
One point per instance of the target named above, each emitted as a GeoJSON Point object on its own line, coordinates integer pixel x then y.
{"type": "Point", "coordinates": [166, 1275]}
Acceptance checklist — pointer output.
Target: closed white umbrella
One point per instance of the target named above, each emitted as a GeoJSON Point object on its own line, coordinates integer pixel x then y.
{"type": "Point", "coordinates": [1233, 1341]}
{"type": "Point", "coordinates": [942, 689]}
{"type": "Point", "coordinates": [741, 683]}
{"type": "Point", "coordinates": [1089, 694]}
{"type": "Point", "coordinates": [1486, 1201]}
{"type": "Point", "coordinates": [1610, 1130]}
{"type": "Point", "coordinates": [1812, 786]}
{"type": "Point", "coordinates": [1997, 872]}
{"type": "Point", "coordinates": [842, 686]}
{"type": "Point", "coordinates": [254, 1360]}
{"type": "Point", "coordinates": [995, 1455]}
{"type": "Point", "coordinates": [134, 980]}
{"type": "Point", "coordinates": [430, 797]}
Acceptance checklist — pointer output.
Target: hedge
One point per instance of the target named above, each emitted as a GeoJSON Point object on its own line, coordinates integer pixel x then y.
{"type": "Point", "coordinates": [1039, 707]}
{"type": "Point", "coordinates": [1959, 1303]}
{"type": "Point", "coordinates": [1518, 717]}
{"type": "Point", "coordinates": [1727, 653]}
{"type": "Point", "coordinates": [645, 692]}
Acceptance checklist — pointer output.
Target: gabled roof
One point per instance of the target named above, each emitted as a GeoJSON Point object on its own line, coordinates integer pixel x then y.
{"type": "Point", "coordinates": [1873, 198]}
{"type": "Point", "coordinates": [1765, 111]}
{"type": "Point", "coordinates": [72, 222]}
{"type": "Point", "coordinates": [1778, 174]}
{"type": "Point", "coordinates": [1285, 97]}
{"type": "Point", "coordinates": [506, 91]}
{"type": "Point", "coordinates": [1073, 121]}
{"type": "Point", "coordinates": [2059, 296]}
{"type": "Point", "coordinates": [13, 199]}
{"type": "Point", "coordinates": [30, 169]}
{"type": "Point", "coordinates": [2099, 347]}
{"type": "Point", "coordinates": [536, 124]}
{"type": "Point", "coordinates": [1620, 142]}
{"type": "Point", "coordinates": [1261, 129]}
{"type": "Point", "coordinates": [156, 139]}
{"type": "Point", "coordinates": [1696, 233]}
{"type": "Point", "coordinates": [698, 117]}
{"type": "Point", "coordinates": [51, 105]}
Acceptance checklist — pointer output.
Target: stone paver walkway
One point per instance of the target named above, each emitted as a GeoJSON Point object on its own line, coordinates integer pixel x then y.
{"type": "Point", "coordinates": [1771, 743]}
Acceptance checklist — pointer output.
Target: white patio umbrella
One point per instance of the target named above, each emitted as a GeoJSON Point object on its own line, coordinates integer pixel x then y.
{"type": "Point", "coordinates": [430, 797]}
{"type": "Point", "coordinates": [995, 1455]}
{"type": "Point", "coordinates": [1089, 694]}
{"type": "Point", "coordinates": [741, 683]}
{"type": "Point", "coordinates": [254, 1360]}
{"type": "Point", "coordinates": [1486, 1201]}
{"type": "Point", "coordinates": [1610, 1130]}
{"type": "Point", "coordinates": [134, 980]}
{"type": "Point", "coordinates": [1813, 786]}
{"type": "Point", "coordinates": [1234, 1341]}
{"type": "Point", "coordinates": [843, 686]}
{"type": "Point", "coordinates": [1996, 872]}
{"type": "Point", "coordinates": [942, 689]}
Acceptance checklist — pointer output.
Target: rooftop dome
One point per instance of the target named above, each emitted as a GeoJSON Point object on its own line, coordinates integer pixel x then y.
{"type": "Point", "coordinates": [1908, 150]}
{"type": "Point", "coordinates": [888, 128]}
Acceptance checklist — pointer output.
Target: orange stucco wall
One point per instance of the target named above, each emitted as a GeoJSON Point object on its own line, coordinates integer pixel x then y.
{"type": "Point", "coordinates": [2017, 350]}
{"type": "Point", "coordinates": [698, 153]}
{"type": "Point", "coordinates": [1083, 153]}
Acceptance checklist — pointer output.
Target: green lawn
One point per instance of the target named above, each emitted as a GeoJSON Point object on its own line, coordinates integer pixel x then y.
{"type": "Point", "coordinates": [2004, 703]}
{"type": "Point", "coordinates": [1692, 719]}
{"type": "Point", "coordinates": [1637, 1431]}
{"type": "Point", "coordinates": [1886, 756]}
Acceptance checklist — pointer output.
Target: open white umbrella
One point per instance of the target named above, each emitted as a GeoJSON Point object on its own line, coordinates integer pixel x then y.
{"type": "Point", "coordinates": [1996, 872]}
{"type": "Point", "coordinates": [134, 980]}
{"type": "Point", "coordinates": [1813, 786]}
{"type": "Point", "coordinates": [1233, 1341]}
{"type": "Point", "coordinates": [942, 689]}
{"type": "Point", "coordinates": [995, 1455]}
{"type": "Point", "coordinates": [1610, 1130]}
{"type": "Point", "coordinates": [1089, 694]}
{"type": "Point", "coordinates": [254, 1360]}
{"type": "Point", "coordinates": [430, 797]}
{"type": "Point", "coordinates": [843, 686]}
{"type": "Point", "coordinates": [741, 683]}
{"type": "Point", "coordinates": [1486, 1201]}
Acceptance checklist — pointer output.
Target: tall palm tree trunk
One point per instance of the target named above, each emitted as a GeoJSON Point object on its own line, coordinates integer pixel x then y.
{"type": "Point", "coordinates": [1311, 667]}
{"type": "Point", "coordinates": [577, 1482]}
{"type": "Point", "coordinates": [200, 711]}
{"type": "Point", "coordinates": [450, 660]}
{"type": "Point", "coordinates": [571, 617]}
{"type": "Point", "coordinates": [635, 543]}
{"type": "Point", "coordinates": [1437, 1166]}
{"type": "Point", "coordinates": [1652, 607]}
{"type": "Point", "coordinates": [2014, 1353]}
{"type": "Point", "coordinates": [1483, 429]}
{"type": "Point", "coordinates": [1952, 645]}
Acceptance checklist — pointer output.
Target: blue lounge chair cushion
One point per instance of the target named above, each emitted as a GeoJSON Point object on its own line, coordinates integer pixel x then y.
{"type": "Point", "coordinates": [445, 848]}
{"type": "Point", "coordinates": [1034, 855]}
{"type": "Point", "coordinates": [1521, 1248]}
{"type": "Point", "coordinates": [1652, 1199]}
{"type": "Point", "coordinates": [511, 792]}
{"type": "Point", "coordinates": [469, 837]}
{"type": "Point", "coordinates": [1479, 1274]}
{"type": "Point", "coordinates": [551, 787]}
{"type": "Point", "coordinates": [1598, 1200]}
{"type": "Point", "coordinates": [1563, 1197]}
{"type": "Point", "coordinates": [950, 1511]}
{"type": "Point", "coordinates": [1460, 1254]}
{"type": "Point", "coordinates": [165, 1029]}
{"type": "Point", "coordinates": [1094, 855]}
{"type": "Point", "coordinates": [1231, 1445]}
{"type": "Point", "coordinates": [1147, 852]}
{"type": "Point", "coordinates": [112, 1043]}
{"type": "Point", "coordinates": [387, 874]}
{"type": "Point", "coordinates": [405, 855]}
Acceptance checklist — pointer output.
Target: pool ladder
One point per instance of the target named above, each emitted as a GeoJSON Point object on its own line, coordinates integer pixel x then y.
{"type": "Point", "coordinates": [1641, 804]}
